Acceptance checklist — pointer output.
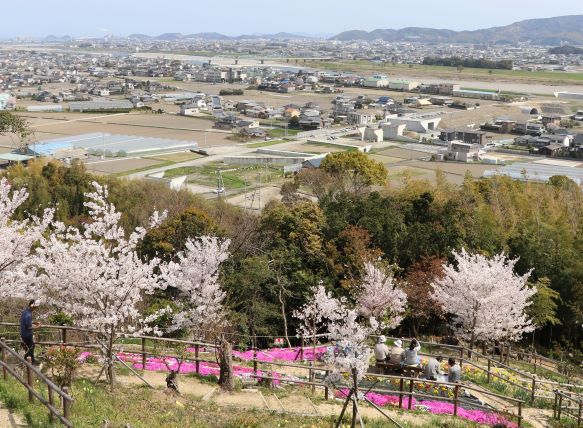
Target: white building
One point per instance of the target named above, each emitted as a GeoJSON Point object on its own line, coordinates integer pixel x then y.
{"type": "Point", "coordinates": [403, 85]}
{"type": "Point", "coordinates": [189, 110]}
{"type": "Point", "coordinates": [377, 81]}
{"type": "Point", "coordinates": [462, 152]}
{"type": "Point", "coordinates": [416, 123]}
{"type": "Point", "coordinates": [7, 102]}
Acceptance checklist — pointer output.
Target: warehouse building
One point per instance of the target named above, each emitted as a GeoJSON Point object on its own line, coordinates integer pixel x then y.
{"type": "Point", "coordinates": [108, 145]}
{"type": "Point", "coordinates": [101, 106]}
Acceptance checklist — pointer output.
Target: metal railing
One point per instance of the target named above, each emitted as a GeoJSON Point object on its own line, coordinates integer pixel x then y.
{"type": "Point", "coordinates": [32, 372]}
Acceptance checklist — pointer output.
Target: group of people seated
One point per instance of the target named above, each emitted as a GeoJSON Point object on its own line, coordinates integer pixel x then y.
{"type": "Point", "coordinates": [397, 356]}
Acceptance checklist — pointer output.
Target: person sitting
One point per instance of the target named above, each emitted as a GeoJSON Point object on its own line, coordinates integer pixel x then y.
{"type": "Point", "coordinates": [381, 351]}
{"type": "Point", "coordinates": [411, 357]}
{"type": "Point", "coordinates": [454, 374]}
{"type": "Point", "coordinates": [396, 353]}
{"type": "Point", "coordinates": [433, 369]}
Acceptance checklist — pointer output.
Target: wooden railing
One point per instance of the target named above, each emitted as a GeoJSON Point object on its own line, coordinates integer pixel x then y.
{"type": "Point", "coordinates": [65, 337]}
{"type": "Point", "coordinates": [31, 373]}
{"type": "Point", "coordinates": [484, 365]}
{"type": "Point", "coordinates": [569, 406]}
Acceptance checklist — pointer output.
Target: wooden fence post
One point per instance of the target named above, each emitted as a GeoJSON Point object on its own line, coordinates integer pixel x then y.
{"type": "Point", "coordinates": [555, 405]}
{"type": "Point", "coordinates": [401, 381]}
{"type": "Point", "coordinates": [29, 382]}
{"type": "Point", "coordinates": [519, 414]}
{"type": "Point", "coordinates": [311, 376]}
{"type": "Point", "coordinates": [63, 334]}
{"type": "Point", "coordinates": [489, 368]}
{"type": "Point", "coordinates": [559, 409]}
{"type": "Point", "coordinates": [143, 353]}
{"type": "Point", "coordinates": [533, 389]}
{"type": "Point", "coordinates": [579, 415]}
{"type": "Point", "coordinates": [66, 404]}
{"type": "Point", "coordinates": [410, 395]}
{"type": "Point", "coordinates": [326, 389]}
{"type": "Point", "coordinates": [302, 343]}
{"type": "Point", "coordinates": [196, 360]}
{"type": "Point", "coordinates": [4, 371]}
{"type": "Point", "coordinates": [51, 402]}
{"type": "Point", "coordinates": [255, 361]}
{"type": "Point", "coordinates": [456, 392]}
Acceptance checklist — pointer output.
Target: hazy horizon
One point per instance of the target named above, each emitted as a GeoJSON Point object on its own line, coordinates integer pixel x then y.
{"type": "Point", "coordinates": [121, 18]}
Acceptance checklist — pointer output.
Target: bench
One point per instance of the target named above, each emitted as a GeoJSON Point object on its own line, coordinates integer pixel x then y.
{"type": "Point", "coordinates": [390, 369]}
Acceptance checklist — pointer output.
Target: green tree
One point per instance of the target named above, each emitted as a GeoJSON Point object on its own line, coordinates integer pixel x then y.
{"type": "Point", "coordinates": [171, 236]}
{"type": "Point", "coordinates": [13, 125]}
{"type": "Point", "coordinates": [545, 303]}
{"type": "Point", "coordinates": [355, 169]}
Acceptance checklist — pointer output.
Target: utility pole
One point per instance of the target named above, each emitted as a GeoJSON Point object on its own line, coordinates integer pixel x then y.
{"type": "Point", "coordinates": [259, 191]}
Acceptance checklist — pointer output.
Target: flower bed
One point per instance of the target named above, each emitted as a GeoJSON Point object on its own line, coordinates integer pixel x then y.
{"type": "Point", "coordinates": [434, 407]}
{"type": "Point", "coordinates": [205, 369]}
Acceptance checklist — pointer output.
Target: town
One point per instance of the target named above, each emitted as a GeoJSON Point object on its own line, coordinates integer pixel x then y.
{"type": "Point", "coordinates": [330, 228]}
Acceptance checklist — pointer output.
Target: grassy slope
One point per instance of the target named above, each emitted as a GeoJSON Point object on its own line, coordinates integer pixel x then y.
{"type": "Point", "coordinates": [140, 407]}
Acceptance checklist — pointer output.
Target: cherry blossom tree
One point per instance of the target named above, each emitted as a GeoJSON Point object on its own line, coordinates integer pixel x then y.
{"type": "Point", "coordinates": [95, 275]}
{"type": "Point", "coordinates": [195, 276]}
{"type": "Point", "coordinates": [16, 241]}
{"type": "Point", "coordinates": [349, 332]}
{"type": "Point", "coordinates": [486, 297]}
{"type": "Point", "coordinates": [200, 309]}
{"type": "Point", "coordinates": [315, 314]}
{"type": "Point", "coordinates": [380, 297]}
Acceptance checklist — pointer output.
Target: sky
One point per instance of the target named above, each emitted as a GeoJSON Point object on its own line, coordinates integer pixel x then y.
{"type": "Point", "coordinates": [38, 18]}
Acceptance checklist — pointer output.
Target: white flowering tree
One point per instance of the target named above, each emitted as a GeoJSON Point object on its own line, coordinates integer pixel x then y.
{"type": "Point", "coordinates": [344, 327]}
{"type": "Point", "coordinates": [380, 297]}
{"type": "Point", "coordinates": [486, 297]}
{"type": "Point", "coordinates": [199, 303]}
{"type": "Point", "coordinates": [16, 241]}
{"type": "Point", "coordinates": [316, 313]}
{"type": "Point", "coordinates": [95, 275]}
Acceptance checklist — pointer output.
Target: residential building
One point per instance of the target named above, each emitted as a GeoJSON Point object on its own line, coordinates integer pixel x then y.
{"type": "Point", "coordinates": [466, 135]}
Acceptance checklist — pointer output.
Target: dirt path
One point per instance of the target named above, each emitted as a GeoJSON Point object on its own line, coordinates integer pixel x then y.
{"type": "Point", "coordinates": [9, 419]}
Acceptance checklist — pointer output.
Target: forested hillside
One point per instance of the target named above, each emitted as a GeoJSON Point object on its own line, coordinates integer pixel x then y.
{"type": "Point", "coordinates": [293, 244]}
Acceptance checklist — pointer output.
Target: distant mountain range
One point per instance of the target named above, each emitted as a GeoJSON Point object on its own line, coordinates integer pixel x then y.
{"type": "Point", "coordinates": [546, 31]}
{"type": "Point", "coordinates": [218, 36]}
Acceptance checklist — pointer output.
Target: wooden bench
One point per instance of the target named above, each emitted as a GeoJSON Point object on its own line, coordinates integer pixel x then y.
{"type": "Point", "coordinates": [392, 369]}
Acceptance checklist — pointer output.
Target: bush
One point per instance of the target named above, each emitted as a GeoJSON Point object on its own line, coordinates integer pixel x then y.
{"type": "Point", "coordinates": [225, 92]}
{"type": "Point", "coordinates": [60, 318]}
{"type": "Point", "coordinates": [63, 361]}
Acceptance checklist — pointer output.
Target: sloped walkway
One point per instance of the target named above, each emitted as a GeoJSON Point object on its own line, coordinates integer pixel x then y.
{"type": "Point", "coordinates": [9, 419]}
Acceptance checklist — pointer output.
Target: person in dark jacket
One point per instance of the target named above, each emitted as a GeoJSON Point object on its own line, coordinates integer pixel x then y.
{"type": "Point", "coordinates": [26, 330]}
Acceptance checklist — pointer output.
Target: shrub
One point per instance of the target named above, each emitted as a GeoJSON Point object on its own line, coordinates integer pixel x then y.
{"type": "Point", "coordinates": [63, 361]}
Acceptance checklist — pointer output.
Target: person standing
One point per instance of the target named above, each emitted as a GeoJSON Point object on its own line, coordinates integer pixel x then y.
{"type": "Point", "coordinates": [26, 330]}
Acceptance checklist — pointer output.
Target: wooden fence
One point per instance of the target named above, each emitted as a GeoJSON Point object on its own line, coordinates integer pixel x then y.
{"type": "Point", "coordinates": [568, 406]}
{"type": "Point", "coordinates": [147, 346]}
{"type": "Point", "coordinates": [7, 353]}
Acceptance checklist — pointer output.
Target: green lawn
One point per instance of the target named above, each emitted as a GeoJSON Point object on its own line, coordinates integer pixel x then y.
{"type": "Point", "coordinates": [280, 132]}
{"type": "Point", "coordinates": [234, 177]}
{"type": "Point", "coordinates": [266, 143]}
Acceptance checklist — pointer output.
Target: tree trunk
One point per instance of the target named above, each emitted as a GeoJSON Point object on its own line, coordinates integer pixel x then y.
{"type": "Point", "coordinates": [282, 301]}
{"type": "Point", "coordinates": [109, 358]}
{"type": "Point", "coordinates": [226, 381]}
